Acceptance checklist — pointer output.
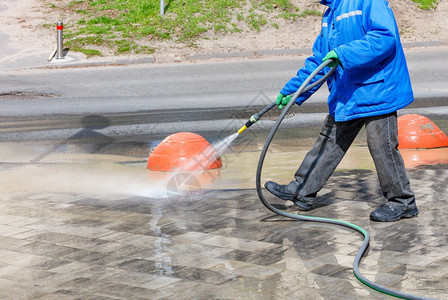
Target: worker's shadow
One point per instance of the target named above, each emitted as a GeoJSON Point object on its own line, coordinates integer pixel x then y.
{"type": "Point", "coordinates": [87, 140]}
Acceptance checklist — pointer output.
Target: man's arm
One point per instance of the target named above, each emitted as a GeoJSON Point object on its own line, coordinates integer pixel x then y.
{"type": "Point", "coordinates": [379, 41]}
{"type": "Point", "coordinates": [311, 63]}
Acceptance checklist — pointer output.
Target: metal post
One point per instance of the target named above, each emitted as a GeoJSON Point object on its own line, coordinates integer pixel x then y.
{"type": "Point", "coordinates": [162, 7]}
{"type": "Point", "coordinates": [60, 44]}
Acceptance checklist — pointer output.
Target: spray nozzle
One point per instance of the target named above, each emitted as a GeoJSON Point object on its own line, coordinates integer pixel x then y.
{"type": "Point", "coordinates": [253, 119]}
{"type": "Point", "coordinates": [242, 129]}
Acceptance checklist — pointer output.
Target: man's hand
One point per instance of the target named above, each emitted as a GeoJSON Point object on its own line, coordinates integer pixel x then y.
{"type": "Point", "coordinates": [282, 100]}
{"type": "Point", "coordinates": [332, 55]}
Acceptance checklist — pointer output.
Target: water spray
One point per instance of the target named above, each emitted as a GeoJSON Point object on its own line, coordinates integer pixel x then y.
{"type": "Point", "coordinates": [362, 250]}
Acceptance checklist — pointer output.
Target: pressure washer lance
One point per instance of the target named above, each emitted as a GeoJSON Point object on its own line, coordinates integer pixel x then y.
{"type": "Point", "coordinates": [256, 117]}
{"type": "Point", "coordinates": [302, 89]}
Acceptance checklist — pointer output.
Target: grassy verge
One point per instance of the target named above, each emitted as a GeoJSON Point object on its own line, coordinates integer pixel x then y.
{"type": "Point", "coordinates": [132, 26]}
{"type": "Point", "coordinates": [426, 4]}
{"type": "Point", "coordinates": [129, 26]}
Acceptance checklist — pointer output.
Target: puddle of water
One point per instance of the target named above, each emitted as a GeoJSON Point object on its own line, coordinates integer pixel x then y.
{"type": "Point", "coordinates": [418, 157]}
{"type": "Point", "coordinates": [281, 163]}
{"type": "Point", "coordinates": [122, 175]}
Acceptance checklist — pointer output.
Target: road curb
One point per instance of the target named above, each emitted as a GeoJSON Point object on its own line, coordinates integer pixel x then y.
{"type": "Point", "coordinates": [263, 53]}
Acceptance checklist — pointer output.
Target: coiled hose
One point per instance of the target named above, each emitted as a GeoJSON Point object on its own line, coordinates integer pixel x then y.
{"type": "Point", "coordinates": [303, 88]}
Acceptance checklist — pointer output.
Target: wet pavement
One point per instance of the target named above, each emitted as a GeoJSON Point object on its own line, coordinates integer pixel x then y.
{"type": "Point", "coordinates": [79, 221]}
{"type": "Point", "coordinates": [81, 217]}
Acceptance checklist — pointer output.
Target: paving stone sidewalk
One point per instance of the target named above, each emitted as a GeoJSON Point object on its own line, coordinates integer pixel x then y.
{"type": "Point", "coordinates": [223, 245]}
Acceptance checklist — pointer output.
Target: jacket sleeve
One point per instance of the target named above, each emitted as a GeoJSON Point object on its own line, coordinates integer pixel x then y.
{"type": "Point", "coordinates": [379, 41]}
{"type": "Point", "coordinates": [311, 63]}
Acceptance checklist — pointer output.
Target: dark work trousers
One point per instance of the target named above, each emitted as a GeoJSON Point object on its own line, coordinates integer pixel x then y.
{"type": "Point", "coordinates": [333, 142]}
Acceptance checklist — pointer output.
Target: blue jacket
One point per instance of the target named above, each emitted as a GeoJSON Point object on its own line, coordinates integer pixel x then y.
{"type": "Point", "coordinates": [373, 79]}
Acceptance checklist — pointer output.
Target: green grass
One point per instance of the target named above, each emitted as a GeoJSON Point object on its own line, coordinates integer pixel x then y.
{"type": "Point", "coordinates": [129, 26]}
{"type": "Point", "coordinates": [87, 52]}
{"type": "Point", "coordinates": [426, 4]}
{"type": "Point", "coordinates": [255, 21]}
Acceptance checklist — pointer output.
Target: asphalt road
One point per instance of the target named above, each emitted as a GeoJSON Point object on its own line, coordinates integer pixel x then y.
{"type": "Point", "coordinates": [49, 103]}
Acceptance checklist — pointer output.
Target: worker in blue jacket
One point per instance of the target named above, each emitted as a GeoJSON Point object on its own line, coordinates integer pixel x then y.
{"type": "Point", "coordinates": [370, 84]}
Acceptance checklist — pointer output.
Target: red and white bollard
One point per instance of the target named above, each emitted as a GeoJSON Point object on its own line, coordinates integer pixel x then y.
{"type": "Point", "coordinates": [60, 43]}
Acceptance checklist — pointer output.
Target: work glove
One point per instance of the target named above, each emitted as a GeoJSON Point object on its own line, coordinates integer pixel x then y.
{"type": "Point", "coordinates": [282, 100]}
{"type": "Point", "coordinates": [332, 55]}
